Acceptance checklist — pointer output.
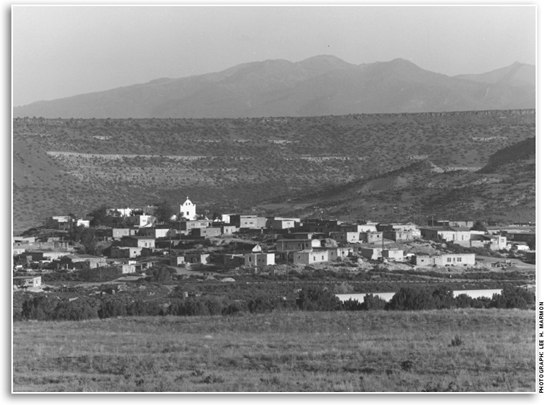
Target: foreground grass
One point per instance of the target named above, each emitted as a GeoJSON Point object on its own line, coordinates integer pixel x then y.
{"type": "Point", "coordinates": [377, 351]}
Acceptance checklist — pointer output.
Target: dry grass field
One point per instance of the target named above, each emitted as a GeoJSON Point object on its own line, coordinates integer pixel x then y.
{"type": "Point", "coordinates": [376, 351]}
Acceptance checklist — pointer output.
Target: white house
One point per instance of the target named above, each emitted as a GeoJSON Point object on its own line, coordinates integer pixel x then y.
{"type": "Point", "coordinates": [187, 210]}
{"type": "Point", "coordinates": [259, 259]}
{"type": "Point", "coordinates": [83, 222]}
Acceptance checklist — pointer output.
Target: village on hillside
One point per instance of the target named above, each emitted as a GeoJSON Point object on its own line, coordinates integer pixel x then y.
{"type": "Point", "coordinates": [127, 244]}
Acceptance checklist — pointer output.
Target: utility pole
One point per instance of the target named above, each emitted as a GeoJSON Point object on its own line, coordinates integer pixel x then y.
{"type": "Point", "coordinates": [383, 246]}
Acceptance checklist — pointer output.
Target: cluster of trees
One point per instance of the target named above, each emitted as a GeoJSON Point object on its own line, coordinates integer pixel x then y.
{"type": "Point", "coordinates": [44, 307]}
{"type": "Point", "coordinates": [442, 298]}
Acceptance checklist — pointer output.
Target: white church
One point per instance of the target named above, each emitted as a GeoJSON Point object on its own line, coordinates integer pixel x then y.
{"type": "Point", "coordinates": [187, 210]}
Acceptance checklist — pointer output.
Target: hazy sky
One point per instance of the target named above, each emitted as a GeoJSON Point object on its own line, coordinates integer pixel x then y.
{"type": "Point", "coordinates": [62, 51]}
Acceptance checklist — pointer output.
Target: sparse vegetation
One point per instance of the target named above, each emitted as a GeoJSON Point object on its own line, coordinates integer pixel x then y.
{"type": "Point", "coordinates": [80, 163]}
{"type": "Point", "coordinates": [373, 351]}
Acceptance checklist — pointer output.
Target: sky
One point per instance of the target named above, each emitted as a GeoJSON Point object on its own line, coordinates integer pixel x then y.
{"type": "Point", "coordinates": [61, 51]}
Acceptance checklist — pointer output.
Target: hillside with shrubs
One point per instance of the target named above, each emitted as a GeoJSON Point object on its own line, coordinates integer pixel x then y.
{"type": "Point", "coordinates": [75, 165]}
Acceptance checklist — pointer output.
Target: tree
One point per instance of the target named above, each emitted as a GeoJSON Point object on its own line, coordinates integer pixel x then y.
{"type": "Point", "coordinates": [76, 232]}
{"type": "Point", "coordinates": [164, 211]}
{"type": "Point", "coordinates": [88, 240]}
{"type": "Point", "coordinates": [443, 298]}
{"type": "Point", "coordinates": [112, 308]}
{"type": "Point", "coordinates": [99, 215]}
{"type": "Point", "coordinates": [40, 308]}
{"type": "Point", "coordinates": [162, 275]}
{"type": "Point", "coordinates": [372, 302]}
{"type": "Point", "coordinates": [478, 226]}
{"type": "Point", "coordinates": [76, 310]}
{"type": "Point", "coordinates": [318, 299]}
{"type": "Point", "coordinates": [409, 299]}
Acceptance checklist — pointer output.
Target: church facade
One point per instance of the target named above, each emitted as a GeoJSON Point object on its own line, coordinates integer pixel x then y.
{"type": "Point", "coordinates": [187, 210]}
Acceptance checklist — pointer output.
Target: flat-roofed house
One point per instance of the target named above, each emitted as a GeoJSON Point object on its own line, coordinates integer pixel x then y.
{"type": "Point", "coordinates": [445, 234]}
{"type": "Point", "coordinates": [125, 252]}
{"type": "Point", "coordinates": [228, 229]}
{"type": "Point", "coordinates": [197, 258]}
{"type": "Point", "coordinates": [138, 241]}
{"type": "Point", "coordinates": [398, 234]}
{"type": "Point", "coordinates": [282, 223]}
{"type": "Point", "coordinates": [118, 233]}
{"type": "Point", "coordinates": [395, 255]}
{"type": "Point", "coordinates": [80, 262]}
{"type": "Point", "coordinates": [372, 253]}
{"type": "Point", "coordinates": [38, 255]}
{"type": "Point", "coordinates": [155, 232]}
{"type": "Point", "coordinates": [299, 235]}
{"type": "Point", "coordinates": [345, 237]}
{"type": "Point", "coordinates": [189, 225]}
{"type": "Point", "coordinates": [206, 232]}
{"type": "Point", "coordinates": [371, 237]}
{"type": "Point", "coordinates": [225, 218]}
{"type": "Point", "coordinates": [141, 221]}
{"type": "Point", "coordinates": [457, 259]}
{"type": "Point", "coordinates": [259, 259]}
{"type": "Point", "coordinates": [297, 244]}
{"type": "Point", "coordinates": [27, 281]}
{"type": "Point", "coordinates": [310, 257]}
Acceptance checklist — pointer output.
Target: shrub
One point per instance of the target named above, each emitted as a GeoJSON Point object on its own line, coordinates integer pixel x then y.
{"type": "Point", "coordinates": [76, 310]}
{"type": "Point", "coordinates": [112, 308]}
{"type": "Point", "coordinates": [456, 341]}
{"type": "Point", "coordinates": [512, 297]}
{"type": "Point", "coordinates": [265, 303]}
{"type": "Point", "coordinates": [233, 308]}
{"type": "Point", "coordinates": [443, 298]}
{"type": "Point", "coordinates": [40, 308]}
{"type": "Point", "coordinates": [318, 299]}
{"type": "Point", "coordinates": [352, 305]}
{"type": "Point", "coordinates": [412, 299]}
{"type": "Point", "coordinates": [144, 308]}
{"type": "Point", "coordinates": [373, 302]}
{"type": "Point", "coordinates": [463, 301]}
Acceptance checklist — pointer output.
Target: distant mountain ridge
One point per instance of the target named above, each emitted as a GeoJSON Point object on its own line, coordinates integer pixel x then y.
{"type": "Point", "coordinates": [320, 85]}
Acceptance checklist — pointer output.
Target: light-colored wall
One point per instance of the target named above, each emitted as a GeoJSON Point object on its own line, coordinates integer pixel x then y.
{"type": "Point", "coordinates": [371, 253]}
{"type": "Point", "coordinates": [187, 210]}
{"type": "Point", "coordinates": [296, 244]}
{"type": "Point", "coordinates": [310, 257]}
{"type": "Point", "coordinates": [397, 255]}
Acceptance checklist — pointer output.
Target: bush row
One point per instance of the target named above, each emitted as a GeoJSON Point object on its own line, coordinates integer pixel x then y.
{"type": "Point", "coordinates": [43, 307]}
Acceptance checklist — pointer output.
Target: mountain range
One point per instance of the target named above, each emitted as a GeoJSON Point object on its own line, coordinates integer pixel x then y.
{"type": "Point", "coordinates": [318, 86]}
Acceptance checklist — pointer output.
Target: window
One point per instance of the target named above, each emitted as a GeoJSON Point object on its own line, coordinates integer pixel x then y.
{"type": "Point", "coordinates": [322, 257]}
{"type": "Point", "coordinates": [458, 259]}
{"type": "Point", "coordinates": [449, 259]}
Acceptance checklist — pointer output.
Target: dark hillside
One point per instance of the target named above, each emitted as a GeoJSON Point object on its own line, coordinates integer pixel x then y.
{"type": "Point", "coordinates": [521, 151]}
{"type": "Point", "coordinates": [504, 190]}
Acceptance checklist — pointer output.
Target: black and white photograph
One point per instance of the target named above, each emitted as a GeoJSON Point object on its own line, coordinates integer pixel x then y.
{"type": "Point", "coordinates": [274, 198]}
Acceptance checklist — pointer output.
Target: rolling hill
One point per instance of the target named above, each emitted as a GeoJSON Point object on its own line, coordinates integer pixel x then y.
{"type": "Point", "coordinates": [260, 164]}
{"type": "Point", "coordinates": [318, 86]}
{"type": "Point", "coordinates": [503, 190]}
